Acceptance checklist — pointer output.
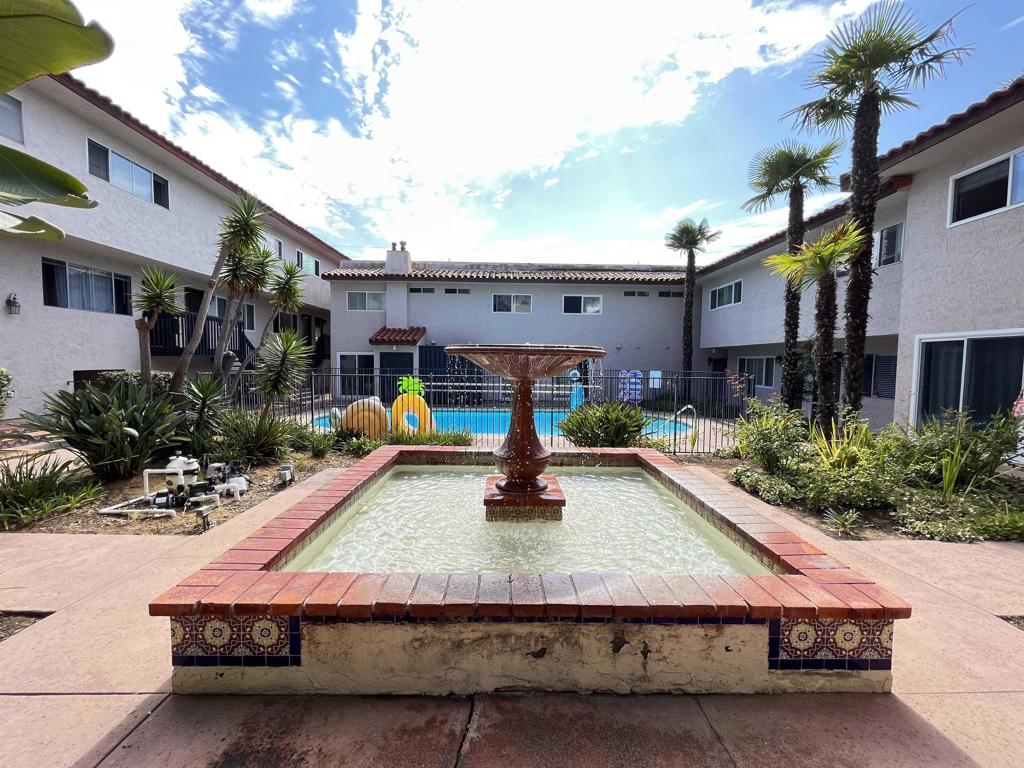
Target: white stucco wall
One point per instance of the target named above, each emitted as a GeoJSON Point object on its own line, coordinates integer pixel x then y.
{"type": "Point", "coordinates": [637, 332]}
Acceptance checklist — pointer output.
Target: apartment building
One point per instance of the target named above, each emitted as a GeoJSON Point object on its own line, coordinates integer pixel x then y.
{"type": "Point", "coordinates": [65, 306]}
{"type": "Point", "coordinates": [399, 315]}
{"type": "Point", "coordinates": [946, 325]}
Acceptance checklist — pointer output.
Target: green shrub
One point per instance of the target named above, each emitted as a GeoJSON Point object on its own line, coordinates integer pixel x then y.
{"type": "Point", "coordinates": [430, 438]}
{"type": "Point", "coordinates": [860, 487]}
{"type": "Point", "coordinates": [843, 520]}
{"type": "Point", "coordinates": [362, 446]}
{"type": "Point", "coordinates": [989, 515]}
{"type": "Point", "coordinates": [605, 425]}
{"type": "Point", "coordinates": [771, 435]}
{"type": "Point", "coordinates": [771, 489]}
{"type": "Point", "coordinates": [116, 430]}
{"type": "Point", "coordinates": [320, 444]}
{"type": "Point", "coordinates": [6, 391]}
{"type": "Point", "coordinates": [253, 437]}
{"type": "Point", "coordinates": [981, 448]}
{"type": "Point", "coordinates": [35, 487]}
{"type": "Point", "coordinates": [160, 381]}
{"type": "Point", "coordinates": [654, 443]}
{"type": "Point", "coordinates": [726, 452]}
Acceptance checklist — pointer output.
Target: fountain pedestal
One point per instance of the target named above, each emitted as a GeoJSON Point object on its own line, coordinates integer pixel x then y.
{"type": "Point", "coordinates": [522, 492]}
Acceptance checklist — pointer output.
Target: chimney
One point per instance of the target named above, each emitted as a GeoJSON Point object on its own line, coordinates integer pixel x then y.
{"type": "Point", "coordinates": [398, 262]}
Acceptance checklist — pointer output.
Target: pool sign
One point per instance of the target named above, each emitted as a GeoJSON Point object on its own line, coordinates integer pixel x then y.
{"type": "Point", "coordinates": [631, 386]}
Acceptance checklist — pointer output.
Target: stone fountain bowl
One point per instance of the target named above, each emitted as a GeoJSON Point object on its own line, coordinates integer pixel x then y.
{"type": "Point", "coordinates": [524, 361]}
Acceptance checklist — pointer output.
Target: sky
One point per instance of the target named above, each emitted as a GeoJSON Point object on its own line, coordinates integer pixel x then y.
{"type": "Point", "coordinates": [507, 130]}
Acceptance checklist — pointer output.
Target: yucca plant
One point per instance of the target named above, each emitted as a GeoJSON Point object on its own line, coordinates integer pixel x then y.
{"type": "Point", "coordinates": [283, 362]}
{"type": "Point", "coordinates": [116, 431]}
{"type": "Point", "coordinates": [37, 486]}
{"type": "Point", "coordinates": [205, 403]}
{"type": "Point", "coordinates": [158, 294]}
{"type": "Point", "coordinates": [605, 425]}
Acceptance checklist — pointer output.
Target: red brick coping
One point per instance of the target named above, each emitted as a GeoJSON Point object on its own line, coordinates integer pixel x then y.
{"type": "Point", "coordinates": [807, 583]}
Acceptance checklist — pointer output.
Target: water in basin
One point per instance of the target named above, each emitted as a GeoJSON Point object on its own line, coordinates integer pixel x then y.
{"type": "Point", "coordinates": [432, 519]}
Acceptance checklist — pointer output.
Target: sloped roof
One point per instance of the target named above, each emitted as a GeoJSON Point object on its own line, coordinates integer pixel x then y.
{"type": "Point", "coordinates": [520, 273]}
{"type": "Point", "coordinates": [121, 115]}
{"type": "Point", "coordinates": [387, 335]}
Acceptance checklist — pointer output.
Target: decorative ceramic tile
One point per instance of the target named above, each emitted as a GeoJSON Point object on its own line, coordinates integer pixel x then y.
{"type": "Point", "coordinates": [854, 644]}
{"type": "Point", "coordinates": [254, 638]}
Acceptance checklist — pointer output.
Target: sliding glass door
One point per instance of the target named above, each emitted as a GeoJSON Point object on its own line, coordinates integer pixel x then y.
{"type": "Point", "coordinates": [982, 375]}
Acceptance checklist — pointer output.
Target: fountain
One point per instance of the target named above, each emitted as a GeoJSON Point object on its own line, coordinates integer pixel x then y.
{"type": "Point", "coordinates": [522, 491]}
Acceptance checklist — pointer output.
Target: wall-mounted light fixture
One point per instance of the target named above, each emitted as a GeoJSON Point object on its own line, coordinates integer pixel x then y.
{"type": "Point", "coordinates": [13, 305]}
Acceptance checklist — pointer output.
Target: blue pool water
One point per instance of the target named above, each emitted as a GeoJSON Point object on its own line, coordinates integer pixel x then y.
{"type": "Point", "coordinates": [496, 422]}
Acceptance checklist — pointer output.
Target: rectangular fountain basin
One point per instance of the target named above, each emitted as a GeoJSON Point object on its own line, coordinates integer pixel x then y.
{"type": "Point", "coordinates": [385, 578]}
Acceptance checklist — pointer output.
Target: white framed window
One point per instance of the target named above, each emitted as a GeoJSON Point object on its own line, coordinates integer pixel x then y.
{"type": "Point", "coordinates": [992, 187]}
{"type": "Point", "coordinates": [636, 294]}
{"type": "Point", "coordinates": [310, 264]}
{"type": "Point", "coordinates": [286, 321]}
{"type": "Point", "coordinates": [459, 291]}
{"type": "Point", "coordinates": [128, 175]}
{"type": "Point", "coordinates": [578, 304]}
{"type": "Point", "coordinates": [727, 295]}
{"type": "Point", "coordinates": [421, 289]}
{"type": "Point", "coordinates": [74, 286]}
{"type": "Point", "coordinates": [365, 301]}
{"type": "Point", "coordinates": [762, 369]}
{"type": "Point", "coordinates": [514, 303]}
{"type": "Point", "coordinates": [249, 317]}
{"type": "Point", "coordinates": [10, 118]}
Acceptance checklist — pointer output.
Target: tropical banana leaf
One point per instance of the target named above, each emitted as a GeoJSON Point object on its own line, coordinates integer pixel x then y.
{"type": "Point", "coordinates": [26, 179]}
{"type": "Point", "coordinates": [39, 37]}
{"type": "Point", "coordinates": [31, 227]}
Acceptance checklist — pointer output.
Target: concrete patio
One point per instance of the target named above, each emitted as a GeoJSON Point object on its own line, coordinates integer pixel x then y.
{"type": "Point", "coordinates": [89, 685]}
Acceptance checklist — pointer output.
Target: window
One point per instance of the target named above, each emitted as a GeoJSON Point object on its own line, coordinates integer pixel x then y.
{"type": "Point", "coordinates": [420, 289]}
{"type": "Point", "coordinates": [890, 245]}
{"type": "Point", "coordinates": [880, 376]}
{"type": "Point", "coordinates": [762, 369]}
{"type": "Point", "coordinates": [581, 305]}
{"type": "Point", "coordinates": [249, 318]}
{"type": "Point", "coordinates": [638, 294]}
{"type": "Point", "coordinates": [366, 301]}
{"type": "Point", "coordinates": [274, 245]}
{"type": "Point", "coordinates": [994, 187]}
{"type": "Point", "coordinates": [219, 307]}
{"type": "Point", "coordinates": [309, 263]}
{"type": "Point", "coordinates": [286, 321]}
{"type": "Point", "coordinates": [129, 176]}
{"type": "Point", "coordinates": [460, 291]}
{"type": "Point", "coordinates": [76, 287]}
{"type": "Point", "coordinates": [670, 294]}
{"type": "Point", "coordinates": [10, 118]}
{"type": "Point", "coordinates": [726, 295]}
{"type": "Point", "coordinates": [516, 303]}
{"type": "Point", "coordinates": [979, 374]}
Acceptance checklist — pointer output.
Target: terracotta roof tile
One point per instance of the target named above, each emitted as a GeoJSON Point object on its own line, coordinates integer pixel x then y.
{"type": "Point", "coordinates": [520, 274]}
{"type": "Point", "coordinates": [387, 335]}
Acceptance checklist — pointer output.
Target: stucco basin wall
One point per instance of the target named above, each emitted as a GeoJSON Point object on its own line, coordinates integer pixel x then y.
{"type": "Point", "coordinates": [442, 658]}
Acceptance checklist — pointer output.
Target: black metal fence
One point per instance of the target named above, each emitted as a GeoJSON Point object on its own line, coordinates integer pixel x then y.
{"type": "Point", "coordinates": [688, 412]}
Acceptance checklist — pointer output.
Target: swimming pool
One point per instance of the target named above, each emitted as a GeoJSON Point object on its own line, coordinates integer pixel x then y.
{"type": "Point", "coordinates": [497, 421]}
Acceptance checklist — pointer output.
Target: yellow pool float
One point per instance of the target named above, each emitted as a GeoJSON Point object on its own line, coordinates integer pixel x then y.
{"type": "Point", "coordinates": [414, 405]}
{"type": "Point", "coordinates": [368, 416]}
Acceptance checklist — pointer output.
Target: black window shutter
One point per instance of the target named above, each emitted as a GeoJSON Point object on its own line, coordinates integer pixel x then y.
{"type": "Point", "coordinates": [572, 304]}
{"type": "Point", "coordinates": [160, 191]}
{"type": "Point", "coordinates": [55, 283]}
{"type": "Point", "coordinates": [99, 161]}
{"type": "Point", "coordinates": [122, 294]}
{"type": "Point", "coordinates": [885, 376]}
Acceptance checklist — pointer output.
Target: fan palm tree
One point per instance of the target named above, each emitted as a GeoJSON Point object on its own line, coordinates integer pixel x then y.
{"type": "Point", "coordinates": [816, 264]}
{"type": "Point", "coordinates": [244, 275]}
{"type": "Point", "coordinates": [283, 361]}
{"type": "Point", "coordinates": [868, 67]}
{"type": "Point", "coordinates": [690, 237]}
{"type": "Point", "coordinates": [240, 230]}
{"type": "Point", "coordinates": [285, 288]}
{"type": "Point", "coordinates": [158, 294]}
{"type": "Point", "coordinates": [790, 169]}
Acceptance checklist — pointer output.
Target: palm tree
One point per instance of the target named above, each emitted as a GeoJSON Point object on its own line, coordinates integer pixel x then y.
{"type": "Point", "coordinates": [284, 360]}
{"type": "Point", "coordinates": [285, 289]}
{"type": "Point", "coordinates": [792, 169]}
{"type": "Point", "coordinates": [691, 237]}
{"type": "Point", "coordinates": [244, 275]}
{"type": "Point", "coordinates": [240, 230]}
{"type": "Point", "coordinates": [816, 263]}
{"type": "Point", "coordinates": [869, 67]}
{"type": "Point", "coordinates": [158, 293]}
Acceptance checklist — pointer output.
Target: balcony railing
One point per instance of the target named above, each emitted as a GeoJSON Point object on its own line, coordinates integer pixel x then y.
{"type": "Point", "coordinates": [171, 334]}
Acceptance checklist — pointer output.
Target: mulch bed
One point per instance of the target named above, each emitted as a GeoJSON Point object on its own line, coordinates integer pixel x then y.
{"type": "Point", "coordinates": [12, 623]}
{"type": "Point", "coordinates": [262, 485]}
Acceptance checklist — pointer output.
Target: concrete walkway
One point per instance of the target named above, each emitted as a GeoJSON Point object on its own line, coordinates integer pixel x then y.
{"type": "Point", "coordinates": [89, 685]}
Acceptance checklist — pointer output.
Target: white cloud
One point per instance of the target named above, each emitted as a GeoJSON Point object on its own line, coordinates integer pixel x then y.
{"type": "Point", "coordinates": [270, 11]}
{"type": "Point", "coordinates": [452, 101]}
{"type": "Point", "coordinates": [1014, 23]}
{"type": "Point", "coordinates": [550, 182]}
{"type": "Point", "coordinates": [669, 216]}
